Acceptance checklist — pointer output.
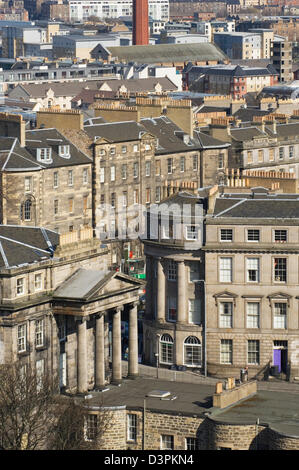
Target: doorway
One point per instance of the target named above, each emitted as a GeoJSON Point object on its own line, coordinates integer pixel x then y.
{"type": "Point", "coordinates": [280, 355]}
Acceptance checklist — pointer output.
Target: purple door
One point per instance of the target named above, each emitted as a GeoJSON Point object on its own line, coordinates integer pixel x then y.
{"type": "Point", "coordinates": [277, 358]}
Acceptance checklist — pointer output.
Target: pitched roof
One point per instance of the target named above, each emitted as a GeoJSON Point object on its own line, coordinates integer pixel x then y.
{"type": "Point", "coordinates": [262, 206]}
{"type": "Point", "coordinates": [116, 131]}
{"type": "Point", "coordinates": [52, 138]}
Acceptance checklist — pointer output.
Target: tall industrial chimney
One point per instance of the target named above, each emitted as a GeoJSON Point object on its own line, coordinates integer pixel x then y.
{"type": "Point", "coordinates": [140, 22]}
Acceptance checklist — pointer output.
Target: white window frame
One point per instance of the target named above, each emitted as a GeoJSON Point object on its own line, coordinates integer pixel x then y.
{"type": "Point", "coordinates": [280, 315]}
{"type": "Point", "coordinates": [135, 170]}
{"type": "Point", "coordinates": [112, 173]}
{"type": "Point", "coordinates": [28, 184]}
{"type": "Point", "coordinates": [193, 350]}
{"type": "Point", "coordinates": [166, 349]}
{"type": "Point", "coordinates": [256, 352]}
{"type": "Point", "coordinates": [64, 151]}
{"type": "Point", "coordinates": [253, 231]}
{"type": "Point", "coordinates": [55, 179]}
{"type": "Point", "coordinates": [226, 235]}
{"type": "Point", "coordinates": [225, 272]}
{"type": "Point", "coordinates": [226, 314]}
{"type": "Point", "coordinates": [252, 270]}
{"type": "Point", "coordinates": [85, 175]}
{"type": "Point", "coordinates": [22, 338]}
{"type": "Point", "coordinates": [124, 171]}
{"type": "Point", "coordinates": [226, 353]}
{"type": "Point", "coordinates": [192, 444]}
{"type": "Point", "coordinates": [148, 168]}
{"type": "Point", "coordinates": [191, 232]}
{"type": "Point", "coordinates": [70, 178]}
{"type": "Point", "coordinates": [164, 445]}
{"type": "Point", "coordinates": [172, 270]}
{"type": "Point", "coordinates": [38, 284]}
{"type": "Point", "coordinates": [253, 315]}
{"type": "Point", "coordinates": [20, 286]}
{"type": "Point", "coordinates": [131, 427]}
{"type": "Point", "coordinates": [39, 332]}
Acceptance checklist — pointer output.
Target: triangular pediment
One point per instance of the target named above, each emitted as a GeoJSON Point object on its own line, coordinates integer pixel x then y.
{"type": "Point", "coordinates": [87, 285]}
{"type": "Point", "coordinates": [279, 295]}
{"type": "Point", "coordinates": [226, 294]}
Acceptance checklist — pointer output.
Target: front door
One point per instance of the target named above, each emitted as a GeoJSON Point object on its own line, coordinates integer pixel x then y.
{"type": "Point", "coordinates": [277, 358]}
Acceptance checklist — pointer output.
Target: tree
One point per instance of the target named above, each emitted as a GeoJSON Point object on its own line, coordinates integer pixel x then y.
{"type": "Point", "coordinates": [26, 407]}
{"type": "Point", "coordinates": [75, 428]}
{"type": "Point", "coordinates": [34, 416]}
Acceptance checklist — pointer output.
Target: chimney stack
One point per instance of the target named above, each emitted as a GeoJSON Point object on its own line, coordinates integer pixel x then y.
{"type": "Point", "coordinates": [140, 23]}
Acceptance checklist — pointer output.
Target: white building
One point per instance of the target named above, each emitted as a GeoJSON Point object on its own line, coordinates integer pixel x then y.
{"type": "Point", "coordinates": [81, 10]}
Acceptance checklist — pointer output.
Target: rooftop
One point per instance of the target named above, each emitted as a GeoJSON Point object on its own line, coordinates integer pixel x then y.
{"type": "Point", "coordinates": [276, 408]}
{"type": "Point", "coordinates": [166, 53]}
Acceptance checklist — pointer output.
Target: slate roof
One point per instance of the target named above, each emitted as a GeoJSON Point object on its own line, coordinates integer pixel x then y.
{"type": "Point", "coordinates": [39, 90]}
{"type": "Point", "coordinates": [42, 138]}
{"type": "Point", "coordinates": [140, 84]}
{"type": "Point", "coordinates": [262, 207]}
{"type": "Point", "coordinates": [13, 157]}
{"type": "Point", "coordinates": [171, 137]}
{"type": "Point", "coordinates": [21, 245]}
{"type": "Point", "coordinates": [235, 70]}
{"type": "Point", "coordinates": [247, 114]}
{"type": "Point", "coordinates": [246, 133]}
{"type": "Point", "coordinates": [116, 131]}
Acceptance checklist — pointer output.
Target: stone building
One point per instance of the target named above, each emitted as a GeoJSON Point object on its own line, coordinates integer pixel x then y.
{"type": "Point", "coordinates": [224, 279]}
{"type": "Point", "coordinates": [137, 162]}
{"type": "Point", "coordinates": [61, 308]}
{"type": "Point", "coordinates": [176, 416]}
{"type": "Point", "coordinates": [269, 143]}
{"type": "Point", "coordinates": [45, 179]}
{"type": "Point", "coordinates": [173, 327]}
{"type": "Point", "coordinates": [251, 279]}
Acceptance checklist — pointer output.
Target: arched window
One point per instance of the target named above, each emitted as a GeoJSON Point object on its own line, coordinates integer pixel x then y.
{"type": "Point", "coordinates": [26, 210]}
{"type": "Point", "coordinates": [192, 351]}
{"type": "Point", "coordinates": [166, 349]}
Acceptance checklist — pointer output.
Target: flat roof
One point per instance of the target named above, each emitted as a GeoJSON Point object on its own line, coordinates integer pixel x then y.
{"type": "Point", "coordinates": [275, 404]}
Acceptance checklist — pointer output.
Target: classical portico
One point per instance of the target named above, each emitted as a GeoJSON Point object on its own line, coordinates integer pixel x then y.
{"type": "Point", "coordinates": [93, 300]}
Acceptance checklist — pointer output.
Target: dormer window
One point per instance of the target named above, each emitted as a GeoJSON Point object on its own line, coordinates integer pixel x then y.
{"type": "Point", "coordinates": [44, 155]}
{"type": "Point", "coordinates": [64, 151]}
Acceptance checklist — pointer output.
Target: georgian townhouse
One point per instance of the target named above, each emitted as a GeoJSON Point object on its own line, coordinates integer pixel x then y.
{"type": "Point", "coordinates": [251, 276]}
{"type": "Point", "coordinates": [222, 291]}
{"type": "Point", "coordinates": [46, 179]}
{"type": "Point", "coordinates": [135, 162]}
{"type": "Point", "coordinates": [264, 144]}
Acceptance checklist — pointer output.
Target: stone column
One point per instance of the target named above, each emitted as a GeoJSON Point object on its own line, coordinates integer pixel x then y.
{"type": "Point", "coordinates": [181, 299]}
{"type": "Point", "coordinates": [160, 292]}
{"type": "Point", "coordinates": [82, 355]}
{"type": "Point", "coordinates": [116, 347]}
{"type": "Point", "coordinates": [100, 353]}
{"type": "Point", "coordinates": [133, 342]}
